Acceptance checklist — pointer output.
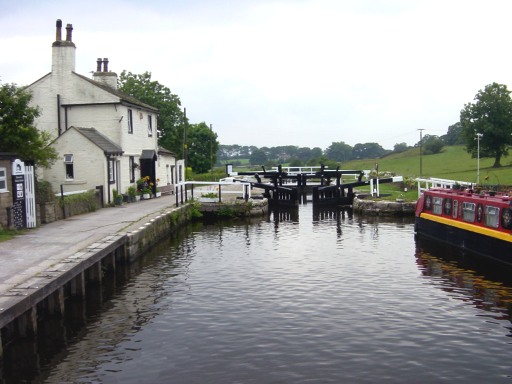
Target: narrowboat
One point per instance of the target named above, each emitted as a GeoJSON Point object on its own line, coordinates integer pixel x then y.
{"type": "Point", "coordinates": [479, 223]}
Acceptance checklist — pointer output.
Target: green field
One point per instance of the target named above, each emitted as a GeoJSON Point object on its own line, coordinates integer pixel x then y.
{"type": "Point", "coordinates": [452, 163]}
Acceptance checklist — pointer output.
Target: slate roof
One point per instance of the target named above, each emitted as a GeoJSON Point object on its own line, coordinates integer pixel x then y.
{"type": "Point", "coordinates": [121, 95]}
{"type": "Point", "coordinates": [102, 141]}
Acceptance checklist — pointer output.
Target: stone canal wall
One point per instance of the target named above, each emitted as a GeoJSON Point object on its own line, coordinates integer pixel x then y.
{"type": "Point", "coordinates": [44, 295]}
{"type": "Point", "coordinates": [383, 207]}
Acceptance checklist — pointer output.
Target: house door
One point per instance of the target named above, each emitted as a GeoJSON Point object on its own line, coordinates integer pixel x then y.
{"type": "Point", "coordinates": [148, 166]}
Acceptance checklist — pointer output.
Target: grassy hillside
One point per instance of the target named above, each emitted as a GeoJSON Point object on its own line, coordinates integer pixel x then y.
{"type": "Point", "coordinates": [452, 163]}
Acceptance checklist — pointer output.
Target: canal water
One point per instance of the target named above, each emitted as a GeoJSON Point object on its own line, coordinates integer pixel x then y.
{"type": "Point", "coordinates": [297, 297]}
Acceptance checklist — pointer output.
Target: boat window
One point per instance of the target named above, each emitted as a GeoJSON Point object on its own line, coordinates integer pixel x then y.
{"type": "Point", "coordinates": [455, 209]}
{"type": "Point", "coordinates": [428, 203]}
{"type": "Point", "coordinates": [468, 212]}
{"type": "Point", "coordinates": [492, 216]}
{"type": "Point", "coordinates": [506, 218]}
{"type": "Point", "coordinates": [447, 206]}
{"type": "Point", "coordinates": [438, 205]}
{"type": "Point", "coordinates": [479, 212]}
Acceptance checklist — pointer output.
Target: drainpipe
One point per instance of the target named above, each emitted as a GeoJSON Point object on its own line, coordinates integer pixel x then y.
{"type": "Point", "coordinates": [59, 129]}
{"type": "Point", "coordinates": [108, 178]}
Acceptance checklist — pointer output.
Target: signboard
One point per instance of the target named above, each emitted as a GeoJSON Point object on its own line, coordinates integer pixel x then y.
{"type": "Point", "coordinates": [18, 195]}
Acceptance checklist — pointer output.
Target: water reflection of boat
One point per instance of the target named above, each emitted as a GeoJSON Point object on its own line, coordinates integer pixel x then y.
{"type": "Point", "coordinates": [471, 280]}
{"type": "Point", "coordinates": [480, 223]}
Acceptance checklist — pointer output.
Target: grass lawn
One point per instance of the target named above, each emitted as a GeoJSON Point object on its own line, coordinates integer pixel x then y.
{"type": "Point", "coordinates": [7, 234]}
{"type": "Point", "coordinates": [452, 163]}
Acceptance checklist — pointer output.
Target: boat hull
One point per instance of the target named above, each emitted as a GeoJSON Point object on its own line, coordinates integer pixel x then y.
{"type": "Point", "coordinates": [471, 240]}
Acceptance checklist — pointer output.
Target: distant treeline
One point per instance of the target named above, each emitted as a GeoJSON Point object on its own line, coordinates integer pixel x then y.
{"type": "Point", "coordinates": [336, 152]}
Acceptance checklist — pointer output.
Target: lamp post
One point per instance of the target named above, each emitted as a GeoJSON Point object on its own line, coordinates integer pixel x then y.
{"type": "Point", "coordinates": [421, 150]}
{"type": "Point", "coordinates": [478, 137]}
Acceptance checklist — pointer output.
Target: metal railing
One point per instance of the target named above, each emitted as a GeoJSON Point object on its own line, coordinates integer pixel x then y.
{"type": "Point", "coordinates": [426, 184]}
{"type": "Point", "coordinates": [185, 190]}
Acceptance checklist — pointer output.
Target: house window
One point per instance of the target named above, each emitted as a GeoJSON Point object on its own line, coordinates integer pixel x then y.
{"type": "Point", "coordinates": [132, 169]}
{"type": "Point", "coordinates": [150, 126]}
{"type": "Point", "coordinates": [3, 179]}
{"type": "Point", "coordinates": [68, 163]}
{"type": "Point", "coordinates": [130, 121]}
{"type": "Point", "coordinates": [111, 171]}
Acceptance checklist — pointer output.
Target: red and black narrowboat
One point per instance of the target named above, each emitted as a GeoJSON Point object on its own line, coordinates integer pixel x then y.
{"type": "Point", "coordinates": [479, 223]}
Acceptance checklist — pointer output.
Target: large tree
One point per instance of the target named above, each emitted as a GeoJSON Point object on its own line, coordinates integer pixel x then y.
{"type": "Point", "coordinates": [171, 119]}
{"type": "Point", "coordinates": [368, 151]}
{"type": "Point", "coordinates": [18, 133]}
{"type": "Point", "coordinates": [202, 147]}
{"type": "Point", "coordinates": [491, 116]}
{"type": "Point", "coordinates": [339, 151]}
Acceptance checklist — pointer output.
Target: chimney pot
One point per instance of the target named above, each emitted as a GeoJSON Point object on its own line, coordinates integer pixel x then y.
{"type": "Point", "coordinates": [98, 65]}
{"type": "Point", "coordinates": [69, 30]}
{"type": "Point", "coordinates": [105, 65]}
{"type": "Point", "coordinates": [58, 33]}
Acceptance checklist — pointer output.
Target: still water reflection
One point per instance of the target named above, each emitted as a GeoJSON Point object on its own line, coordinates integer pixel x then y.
{"type": "Point", "coordinates": [300, 297]}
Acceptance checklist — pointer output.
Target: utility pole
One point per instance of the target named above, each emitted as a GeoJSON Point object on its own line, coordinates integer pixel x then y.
{"type": "Point", "coordinates": [478, 137]}
{"type": "Point", "coordinates": [211, 150]}
{"type": "Point", "coordinates": [185, 138]}
{"type": "Point", "coordinates": [421, 151]}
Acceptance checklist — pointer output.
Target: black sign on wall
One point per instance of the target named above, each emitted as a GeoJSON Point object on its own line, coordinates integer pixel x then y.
{"type": "Point", "coordinates": [18, 197]}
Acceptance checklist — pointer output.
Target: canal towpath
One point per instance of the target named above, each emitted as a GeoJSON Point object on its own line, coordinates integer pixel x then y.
{"type": "Point", "coordinates": [35, 251]}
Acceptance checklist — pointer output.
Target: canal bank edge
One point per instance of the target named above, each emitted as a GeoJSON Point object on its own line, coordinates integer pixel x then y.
{"type": "Point", "coordinates": [235, 208]}
{"type": "Point", "coordinates": [68, 276]}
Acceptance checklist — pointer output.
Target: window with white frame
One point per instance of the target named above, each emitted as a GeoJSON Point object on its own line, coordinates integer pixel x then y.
{"type": "Point", "coordinates": [3, 179]}
{"type": "Point", "coordinates": [468, 212]}
{"type": "Point", "coordinates": [130, 121]}
{"type": "Point", "coordinates": [492, 216]}
{"type": "Point", "coordinates": [150, 125]}
{"type": "Point", "coordinates": [68, 163]}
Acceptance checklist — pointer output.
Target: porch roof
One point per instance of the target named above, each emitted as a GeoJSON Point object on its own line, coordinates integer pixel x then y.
{"type": "Point", "coordinates": [108, 146]}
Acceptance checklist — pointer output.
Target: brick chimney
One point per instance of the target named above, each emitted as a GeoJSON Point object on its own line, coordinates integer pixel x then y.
{"type": "Point", "coordinates": [103, 75]}
{"type": "Point", "coordinates": [63, 51]}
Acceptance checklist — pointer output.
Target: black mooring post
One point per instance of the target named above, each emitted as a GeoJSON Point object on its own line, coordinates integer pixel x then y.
{"type": "Point", "coordinates": [63, 203]}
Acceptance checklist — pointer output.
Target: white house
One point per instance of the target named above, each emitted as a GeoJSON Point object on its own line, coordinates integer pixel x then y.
{"type": "Point", "coordinates": [106, 139]}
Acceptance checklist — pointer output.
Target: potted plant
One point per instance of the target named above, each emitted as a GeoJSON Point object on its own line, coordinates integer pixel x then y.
{"type": "Point", "coordinates": [132, 193]}
{"type": "Point", "coordinates": [146, 193]}
{"type": "Point", "coordinates": [118, 198]}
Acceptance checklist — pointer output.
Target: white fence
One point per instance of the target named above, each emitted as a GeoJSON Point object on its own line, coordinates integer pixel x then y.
{"type": "Point", "coordinates": [425, 184]}
{"type": "Point", "coordinates": [30, 198]}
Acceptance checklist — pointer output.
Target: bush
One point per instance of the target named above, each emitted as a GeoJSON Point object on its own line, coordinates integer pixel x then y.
{"type": "Point", "coordinates": [44, 192]}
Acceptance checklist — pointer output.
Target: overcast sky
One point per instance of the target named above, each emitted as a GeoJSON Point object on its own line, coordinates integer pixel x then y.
{"type": "Point", "coordinates": [283, 72]}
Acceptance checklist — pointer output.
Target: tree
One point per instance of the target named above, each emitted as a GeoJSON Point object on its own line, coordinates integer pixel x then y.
{"type": "Point", "coordinates": [368, 151]}
{"type": "Point", "coordinates": [454, 135]}
{"type": "Point", "coordinates": [490, 115]}
{"type": "Point", "coordinates": [203, 145]}
{"type": "Point", "coordinates": [339, 151]}
{"type": "Point", "coordinates": [18, 133]}
{"type": "Point", "coordinates": [171, 118]}
{"type": "Point", "coordinates": [400, 147]}
{"type": "Point", "coordinates": [432, 144]}
{"type": "Point", "coordinates": [258, 157]}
